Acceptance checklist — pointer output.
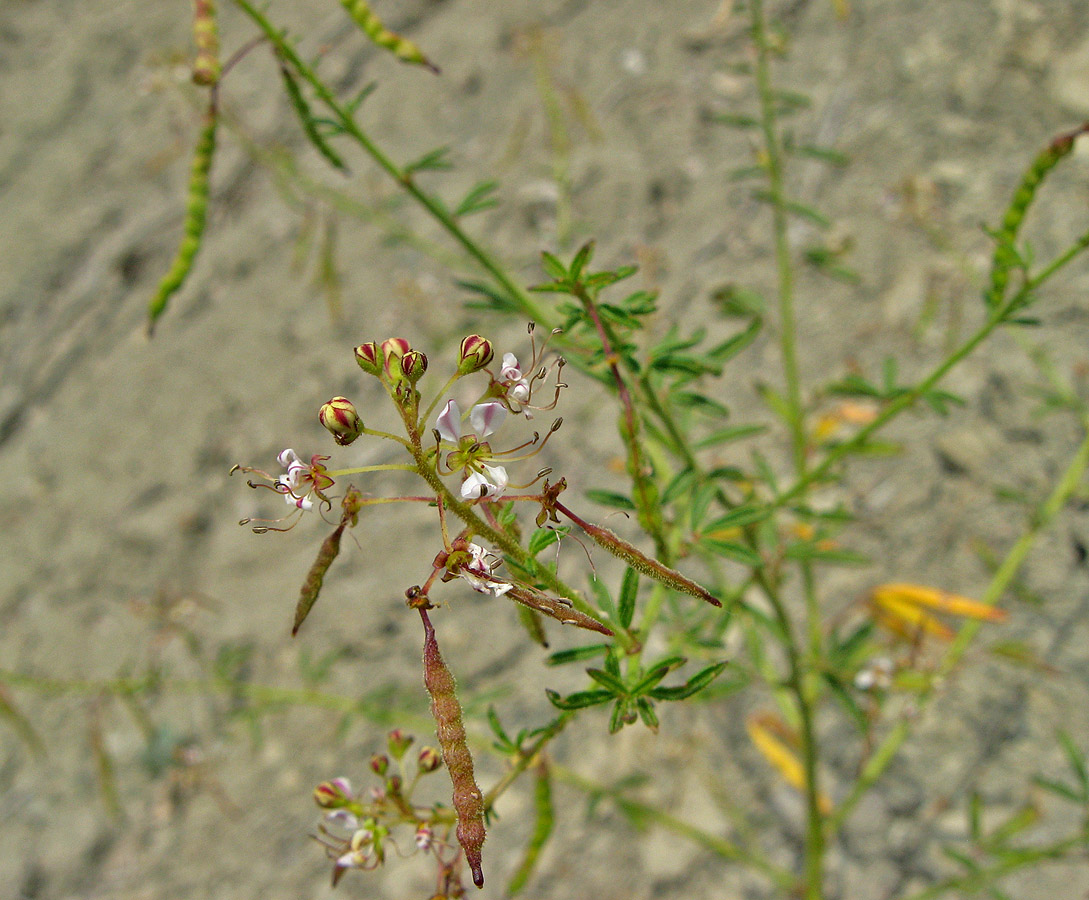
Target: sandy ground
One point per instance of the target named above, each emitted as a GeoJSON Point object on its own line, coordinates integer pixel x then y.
{"type": "Point", "coordinates": [120, 545]}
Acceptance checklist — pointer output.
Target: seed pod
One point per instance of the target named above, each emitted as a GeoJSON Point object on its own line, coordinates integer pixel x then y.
{"type": "Point", "coordinates": [206, 37]}
{"type": "Point", "coordinates": [196, 209]}
{"type": "Point", "coordinates": [1005, 254]}
{"type": "Point", "coordinates": [308, 596]}
{"type": "Point", "coordinates": [560, 610]}
{"type": "Point", "coordinates": [468, 800]}
{"type": "Point", "coordinates": [637, 559]}
{"type": "Point", "coordinates": [330, 549]}
{"type": "Point", "coordinates": [372, 27]}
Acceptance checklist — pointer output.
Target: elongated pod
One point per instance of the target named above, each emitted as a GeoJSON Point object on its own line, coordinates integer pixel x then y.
{"type": "Point", "coordinates": [372, 27]}
{"type": "Point", "coordinates": [468, 800]}
{"type": "Point", "coordinates": [196, 210]}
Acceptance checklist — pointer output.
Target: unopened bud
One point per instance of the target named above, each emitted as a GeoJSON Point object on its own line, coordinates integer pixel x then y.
{"type": "Point", "coordinates": [379, 763]}
{"type": "Point", "coordinates": [392, 351]}
{"type": "Point", "coordinates": [341, 420]}
{"type": "Point", "coordinates": [428, 760]}
{"type": "Point", "coordinates": [369, 359]}
{"type": "Point", "coordinates": [474, 354]}
{"type": "Point", "coordinates": [333, 794]}
{"type": "Point", "coordinates": [413, 365]}
{"type": "Point", "coordinates": [398, 742]}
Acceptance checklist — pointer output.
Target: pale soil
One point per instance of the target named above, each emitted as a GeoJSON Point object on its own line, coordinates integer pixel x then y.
{"type": "Point", "coordinates": [115, 450]}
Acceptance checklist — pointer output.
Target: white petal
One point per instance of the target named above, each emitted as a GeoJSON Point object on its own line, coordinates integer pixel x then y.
{"type": "Point", "coordinates": [475, 486]}
{"type": "Point", "coordinates": [520, 391]}
{"type": "Point", "coordinates": [497, 476]}
{"type": "Point", "coordinates": [510, 370]}
{"type": "Point", "coordinates": [487, 417]}
{"type": "Point", "coordinates": [287, 457]}
{"type": "Point", "coordinates": [449, 422]}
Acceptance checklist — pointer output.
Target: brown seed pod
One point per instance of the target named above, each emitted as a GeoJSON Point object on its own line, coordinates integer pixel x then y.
{"type": "Point", "coordinates": [468, 800]}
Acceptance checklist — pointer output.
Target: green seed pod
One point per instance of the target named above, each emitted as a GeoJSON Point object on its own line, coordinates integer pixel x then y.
{"type": "Point", "coordinates": [1005, 253]}
{"type": "Point", "coordinates": [196, 209]}
{"type": "Point", "coordinates": [206, 37]}
{"type": "Point", "coordinates": [468, 800]}
{"type": "Point", "coordinates": [372, 27]}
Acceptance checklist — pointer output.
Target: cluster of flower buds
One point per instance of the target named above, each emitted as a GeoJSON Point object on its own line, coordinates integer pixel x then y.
{"type": "Point", "coordinates": [357, 829]}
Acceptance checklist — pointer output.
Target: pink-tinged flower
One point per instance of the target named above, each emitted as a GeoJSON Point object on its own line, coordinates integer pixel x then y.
{"type": "Point", "coordinates": [517, 386]}
{"type": "Point", "coordinates": [302, 481]}
{"type": "Point", "coordinates": [484, 418]}
{"type": "Point", "coordinates": [489, 483]}
{"type": "Point", "coordinates": [478, 572]}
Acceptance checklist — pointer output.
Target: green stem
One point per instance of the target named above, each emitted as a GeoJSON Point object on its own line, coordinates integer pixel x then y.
{"type": "Point", "coordinates": [774, 168]}
{"type": "Point", "coordinates": [717, 845]}
{"type": "Point", "coordinates": [346, 120]}
{"type": "Point", "coordinates": [1003, 577]}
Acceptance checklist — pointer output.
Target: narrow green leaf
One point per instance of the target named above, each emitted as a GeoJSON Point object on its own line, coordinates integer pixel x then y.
{"type": "Point", "coordinates": [629, 589]}
{"type": "Point", "coordinates": [553, 267]}
{"type": "Point", "coordinates": [1077, 762]}
{"type": "Point", "coordinates": [581, 260]}
{"type": "Point", "coordinates": [576, 654]}
{"type": "Point", "coordinates": [609, 681]}
{"type": "Point", "coordinates": [656, 673]}
{"type": "Point", "coordinates": [647, 713]}
{"type": "Point", "coordinates": [610, 498]}
{"type": "Point", "coordinates": [578, 700]}
{"type": "Point", "coordinates": [432, 161]}
{"type": "Point", "coordinates": [694, 684]}
{"type": "Point", "coordinates": [732, 550]}
{"type": "Point", "coordinates": [478, 199]}
{"type": "Point", "coordinates": [728, 435]}
{"type": "Point", "coordinates": [736, 518]}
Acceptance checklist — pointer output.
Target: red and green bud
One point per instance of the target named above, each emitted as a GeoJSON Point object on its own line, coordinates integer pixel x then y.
{"type": "Point", "coordinates": [398, 742]}
{"type": "Point", "coordinates": [428, 760]}
{"type": "Point", "coordinates": [413, 365]}
{"type": "Point", "coordinates": [369, 358]}
{"type": "Point", "coordinates": [341, 420]}
{"type": "Point", "coordinates": [333, 794]}
{"type": "Point", "coordinates": [379, 763]}
{"type": "Point", "coordinates": [392, 351]}
{"type": "Point", "coordinates": [474, 354]}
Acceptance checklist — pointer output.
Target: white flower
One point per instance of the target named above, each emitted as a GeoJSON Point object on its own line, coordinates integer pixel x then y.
{"type": "Point", "coordinates": [491, 483]}
{"type": "Point", "coordinates": [295, 494]}
{"type": "Point", "coordinates": [478, 572]}
{"type": "Point", "coordinates": [517, 386]}
{"type": "Point", "coordinates": [484, 418]}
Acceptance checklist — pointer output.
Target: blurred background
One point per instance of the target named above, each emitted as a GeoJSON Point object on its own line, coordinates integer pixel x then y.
{"type": "Point", "coordinates": [122, 556]}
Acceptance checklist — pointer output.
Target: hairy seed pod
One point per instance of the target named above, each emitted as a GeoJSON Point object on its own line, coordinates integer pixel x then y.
{"type": "Point", "coordinates": [308, 596]}
{"type": "Point", "coordinates": [468, 800]}
{"type": "Point", "coordinates": [372, 27]}
{"type": "Point", "coordinates": [196, 209]}
{"type": "Point", "coordinates": [637, 559]}
{"type": "Point", "coordinates": [206, 37]}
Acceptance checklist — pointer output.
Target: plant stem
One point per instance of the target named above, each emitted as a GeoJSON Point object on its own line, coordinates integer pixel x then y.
{"type": "Point", "coordinates": [1006, 572]}
{"type": "Point", "coordinates": [773, 166]}
{"type": "Point", "coordinates": [346, 120]}
{"type": "Point", "coordinates": [717, 845]}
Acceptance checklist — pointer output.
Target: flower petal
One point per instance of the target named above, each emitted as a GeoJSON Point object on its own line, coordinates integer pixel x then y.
{"type": "Point", "coordinates": [448, 423]}
{"type": "Point", "coordinates": [509, 370]}
{"type": "Point", "coordinates": [487, 417]}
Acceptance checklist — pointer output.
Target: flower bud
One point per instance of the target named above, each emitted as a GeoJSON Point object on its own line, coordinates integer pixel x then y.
{"type": "Point", "coordinates": [379, 763]}
{"type": "Point", "coordinates": [394, 348]}
{"type": "Point", "coordinates": [428, 760]}
{"type": "Point", "coordinates": [398, 742]}
{"type": "Point", "coordinates": [333, 794]}
{"type": "Point", "coordinates": [413, 365]}
{"type": "Point", "coordinates": [341, 420]}
{"type": "Point", "coordinates": [368, 358]}
{"type": "Point", "coordinates": [392, 351]}
{"type": "Point", "coordinates": [424, 837]}
{"type": "Point", "coordinates": [474, 354]}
